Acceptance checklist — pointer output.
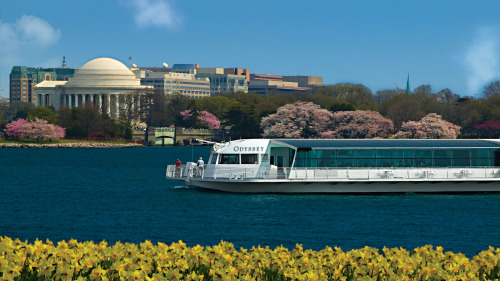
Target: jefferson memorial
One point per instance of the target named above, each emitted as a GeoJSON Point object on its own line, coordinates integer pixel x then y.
{"type": "Point", "coordinates": [101, 81]}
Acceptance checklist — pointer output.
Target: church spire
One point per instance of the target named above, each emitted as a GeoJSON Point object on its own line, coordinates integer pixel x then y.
{"type": "Point", "coordinates": [408, 91]}
{"type": "Point", "coordinates": [64, 62]}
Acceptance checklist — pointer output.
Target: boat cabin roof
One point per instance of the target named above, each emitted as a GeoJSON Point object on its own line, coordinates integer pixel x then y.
{"type": "Point", "coordinates": [387, 143]}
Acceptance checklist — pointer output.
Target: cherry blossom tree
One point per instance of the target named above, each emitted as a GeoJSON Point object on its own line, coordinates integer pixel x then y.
{"type": "Point", "coordinates": [411, 130]}
{"type": "Point", "coordinates": [15, 128]}
{"type": "Point", "coordinates": [296, 120]}
{"type": "Point", "coordinates": [202, 119]}
{"type": "Point", "coordinates": [490, 129]}
{"type": "Point", "coordinates": [430, 126]}
{"type": "Point", "coordinates": [358, 124]}
{"type": "Point", "coordinates": [37, 129]}
{"type": "Point", "coordinates": [210, 120]}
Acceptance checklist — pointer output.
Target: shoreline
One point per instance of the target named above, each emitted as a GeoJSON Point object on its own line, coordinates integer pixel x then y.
{"type": "Point", "coordinates": [69, 145]}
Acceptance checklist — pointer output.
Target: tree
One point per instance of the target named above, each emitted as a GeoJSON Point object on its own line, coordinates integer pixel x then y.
{"type": "Point", "coordinates": [153, 111]}
{"type": "Point", "coordinates": [129, 108]}
{"type": "Point", "coordinates": [489, 129]}
{"type": "Point", "coordinates": [37, 129]}
{"type": "Point", "coordinates": [89, 119]}
{"type": "Point", "coordinates": [330, 102]}
{"type": "Point", "coordinates": [15, 128]}
{"type": "Point", "coordinates": [20, 109]}
{"type": "Point", "coordinates": [492, 89]}
{"type": "Point", "coordinates": [209, 120]}
{"type": "Point", "coordinates": [358, 124]}
{"type": "Point", "coordinates": [388, 94]}
{"type": "Point", "coordinates": [201, 119]}
{"type": "Point", "coordinates": [174, 105]}
{"type": "Point", "coordinates": [446, 95]}
{"type": "Point", "coordinates": [42, 112]}
{"type": "Point", "coordinates": [41, 129]}
{"type": "Point", "coordinates": [357, 94]}
{"type": "Point", "coordinates": [430, 126]}
{"type": "Point", "coordinates": [423, 89]}
{"type": "Point", "coordinates": [297, 120]}
{"type": "Point", "coordinates": [217, 105]}
{"type": "Point", "coordinates": [401, 109]}
{"type": "Point", "coordinates": [243, 121]}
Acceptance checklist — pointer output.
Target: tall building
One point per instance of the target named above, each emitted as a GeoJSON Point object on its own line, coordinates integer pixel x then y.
{"type": "Point", "coordinates": [23, 80]}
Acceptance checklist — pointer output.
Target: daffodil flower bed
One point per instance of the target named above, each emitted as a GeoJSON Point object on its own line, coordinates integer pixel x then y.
{"type": "Point", "coordinates": [75, 260]}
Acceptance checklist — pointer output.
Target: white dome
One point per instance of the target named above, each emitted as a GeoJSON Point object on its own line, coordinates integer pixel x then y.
{"type": "Point", "coordinates": [104, 72]}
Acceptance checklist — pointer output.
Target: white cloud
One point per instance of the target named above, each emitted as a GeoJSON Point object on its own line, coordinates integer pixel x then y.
{"type": "Point", "coordinates": [24, 42]}
{"type": "Point", "coordinates": [482, 59]}
{"type": "Point", "coordinates": [26, 34]}
{"type": "Point", "coordinates": [159, 13]}
{"type": "Point", "coordinates": [37, 31]}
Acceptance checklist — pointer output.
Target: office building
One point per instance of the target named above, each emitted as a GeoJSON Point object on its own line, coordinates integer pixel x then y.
{"type": "Point", "coordinates": [178, 83]}
{"type": "Point", "coordinates": [23, 80]}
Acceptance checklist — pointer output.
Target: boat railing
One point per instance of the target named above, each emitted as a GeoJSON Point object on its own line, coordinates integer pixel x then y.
{"type": "Point", "coordinates": [423, 173]}
{"type": "Point", "coordinates": [185, 171]}
{"type": "Point", "coordinates": [394, 173]}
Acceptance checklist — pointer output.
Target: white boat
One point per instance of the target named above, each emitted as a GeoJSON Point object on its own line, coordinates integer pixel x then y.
{"type": "Point", "coordinates": [347, 166]}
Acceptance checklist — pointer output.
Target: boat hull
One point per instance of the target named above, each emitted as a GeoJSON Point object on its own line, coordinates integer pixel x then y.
{"type": "Point", "coordinates": [347, 187]}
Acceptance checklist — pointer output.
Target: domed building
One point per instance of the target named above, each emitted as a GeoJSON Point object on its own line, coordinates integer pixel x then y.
{"type": "Point", "coordinates": [100, 81]}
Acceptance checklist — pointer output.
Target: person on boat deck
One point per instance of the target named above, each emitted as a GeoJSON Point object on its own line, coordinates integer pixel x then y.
{"type": "Point", "coordinates": [178, 164]}
{"type": "Point", "coordinates": [201, 167]}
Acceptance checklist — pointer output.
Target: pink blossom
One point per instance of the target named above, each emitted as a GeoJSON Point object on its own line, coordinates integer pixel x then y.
{"type": "Point", "coordinates": [297, 120]}
{"type": "Point", "coordinates": [209, 119]}
{"type": "Point", "coordinates": [37, 129]}
{"type": "Point", "coordinates": [186, 114]}
{"type": "Point", "coordinates": [430, 126]}
{"type": "Point", "coordinates": [488, 125]}
{"type": "Point", "coordinates": [358, 124]}
{"type": "Point", "coordinates": [15, 128]}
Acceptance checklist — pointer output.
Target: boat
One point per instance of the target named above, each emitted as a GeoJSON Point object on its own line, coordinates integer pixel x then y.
{"type": "Point", "coordinates": [347, 166]}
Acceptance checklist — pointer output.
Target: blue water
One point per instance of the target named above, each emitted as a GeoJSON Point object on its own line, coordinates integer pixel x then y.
{"type": "Point", "coordinates": [122, 195]}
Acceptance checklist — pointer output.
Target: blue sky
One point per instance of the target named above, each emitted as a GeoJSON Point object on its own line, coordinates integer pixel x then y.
{"type": "Point", "coordinates": [451, 44]}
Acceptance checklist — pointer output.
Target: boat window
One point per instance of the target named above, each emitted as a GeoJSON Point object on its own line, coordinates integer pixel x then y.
{"type": "Point", "coordinates": [366, 153]}
{"type": "Point", "coordinates": [265, 158]}
{"type": "Point", "coordinates": [461, 153]}
{"type": "Point", "coordinates": [404, 153]}
{"type": "Point", "coordinates": [442, 153]}
{"type": "Point", "coordinates": [385, 153]}
{"type": "Point", "coordinates": [480, 153]}
{"type": "Point", "coordinates": [366, 162]}
{"type": "Point", "coordinates": [249, 158]}
{"type": "Point", "coordinates": [423, 153]}
{"type": "Point", "coordinates": [229, 159]}
{"type": "Point", "coordinates": [346, 162]}
{"type": "Point", "coordinates": [461, 162]}
{"type": "Point", "coordinates": [385, 162]}
{"type": "Point", "coordinates": [442, 162]}
{"type": "Point", "coordinates": [213, 160]}
{"type": "Point", "coordinates": [480, 162]}
{"type": "Point", "coordinates": [346, 153]}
